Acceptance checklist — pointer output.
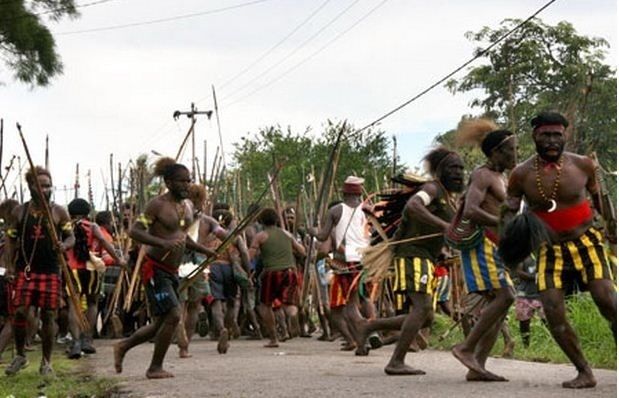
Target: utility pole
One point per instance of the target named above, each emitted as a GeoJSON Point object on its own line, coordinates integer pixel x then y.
{"type": "Point", "coordinates": [192, 115]}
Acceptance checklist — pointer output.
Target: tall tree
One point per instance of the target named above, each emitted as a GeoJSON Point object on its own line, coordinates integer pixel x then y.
{"type": "Point", "coordinates": [541, 67]}
{"type": "Point", "coordinates": [27, 46]}
{"type": "Point", "coordinates": [366, 155]}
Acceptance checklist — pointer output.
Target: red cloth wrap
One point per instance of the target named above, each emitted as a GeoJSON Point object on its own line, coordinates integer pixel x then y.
{"type": "Point", "coordinates": [566, 219]}
{"type": "Point", "coordinates": [147, 271]}
{"type": "Point", "coordinates": [440, 270]}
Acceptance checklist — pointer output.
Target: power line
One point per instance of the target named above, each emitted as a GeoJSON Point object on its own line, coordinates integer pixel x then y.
{"type": "Point", "coordinates": [304, 60]}
{"type": "Point", "coordinates": [294, 51]}
{"type": "Point", "coordinates": [458, 69]}
{"type": "Point", "coordinates": [160, 20]}
{"type": "Point", "coordinates": [279, 43]}
{"type": "Point", "coordinates": [65, 8]}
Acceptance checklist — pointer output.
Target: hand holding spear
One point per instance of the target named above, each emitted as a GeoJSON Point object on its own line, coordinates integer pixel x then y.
{"type": "Point", "coordinates": [49, 224]}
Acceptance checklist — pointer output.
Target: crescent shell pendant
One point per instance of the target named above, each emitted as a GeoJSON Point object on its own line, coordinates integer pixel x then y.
{"type": "Point", "coordinates": [553, 206]}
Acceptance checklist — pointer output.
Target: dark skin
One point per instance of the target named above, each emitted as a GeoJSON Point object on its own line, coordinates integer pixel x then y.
{"type": "Point", "coordinates": [451, 174]}
{"type": "Point", "coordinates": [485, 195]}
{"type": "Point", "coordinates": [579, 171]}
{"type": "Point", "coordinates": [345, 316]}
{"type": "Point", "coordinates": [266, 309]}
{"type": "Point", "coordinates": [166, 236]}
{"type": "Point", "coordinates": [191, 309]}
{"type": "Point", "coordinates": [60, 219]}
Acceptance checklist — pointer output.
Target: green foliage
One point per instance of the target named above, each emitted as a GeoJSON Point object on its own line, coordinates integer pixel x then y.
{"type": "Point", "coordinates": [596, 338]}
{"type": "Point", "coordinates": [70, 380]}
{"type": "Point", "coordinates": [542, 67]}
{"type": "Point", "coordinates": [304, 156]}
{"type": "Point", "coordinates": [26, 44]}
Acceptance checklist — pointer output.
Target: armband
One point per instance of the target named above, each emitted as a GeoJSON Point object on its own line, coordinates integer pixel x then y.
{"type": "Point", "coordinates": [425, 198]}
{"type": "Point", "coordinates": [11, 233]}
{"type": "Point", "coordinates": [145, 221]}
{"type": "Point", "coordinates": [67, 227]}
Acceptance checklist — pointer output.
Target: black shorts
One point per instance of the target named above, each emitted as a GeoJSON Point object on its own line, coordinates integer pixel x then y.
{"type": "Point", "coordinates": [162, 293]}
{"type": "Point", "coordinates": [221, 281]}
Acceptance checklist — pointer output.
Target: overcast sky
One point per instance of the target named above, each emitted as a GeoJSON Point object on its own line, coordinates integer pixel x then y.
{"type": "Point", "coordinates": [346, 59]}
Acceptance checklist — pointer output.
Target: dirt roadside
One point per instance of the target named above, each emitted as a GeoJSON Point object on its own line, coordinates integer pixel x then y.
{"type": "Point", "coordinates": [309, 368]}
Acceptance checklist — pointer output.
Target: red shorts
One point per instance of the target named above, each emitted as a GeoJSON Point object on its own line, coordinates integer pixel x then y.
{"type": "Point", "coordinates": [282, 285]}
{"type": "Point", "coordinates": [39, 290]}
{"type": "Point", "coordinates": [342, 283]}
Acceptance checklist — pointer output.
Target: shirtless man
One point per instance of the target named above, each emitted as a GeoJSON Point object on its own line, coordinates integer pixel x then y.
{"type": "Point", "coordinates": [484, 272]}
{"type": "Point", "coordinates": [555, 185]}
{"type": "Point", "coordinates": [32, 264]}
{"type": "Point", "coordinates": [348, 223]}
{"type": "Point", "coordinates": [163, 227]}
{"type": "Point", "coordinates": [427, 212]}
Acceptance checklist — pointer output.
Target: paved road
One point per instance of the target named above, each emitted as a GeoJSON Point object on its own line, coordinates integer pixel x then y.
{"type": "Point", "coordinates": [309, 368]}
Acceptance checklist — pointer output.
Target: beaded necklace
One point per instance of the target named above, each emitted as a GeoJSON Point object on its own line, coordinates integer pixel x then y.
{"type": "Point", "coordinates": [23, 239]}
{"type": "Point", "coordinates": [555, 186]}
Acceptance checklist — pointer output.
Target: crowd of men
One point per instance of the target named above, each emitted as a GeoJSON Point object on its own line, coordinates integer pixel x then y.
{"type": "Point", "coordinates": [201, 273]}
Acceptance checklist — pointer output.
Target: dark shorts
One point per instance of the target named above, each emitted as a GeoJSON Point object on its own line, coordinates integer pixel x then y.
{"type": "Point", "coordinates": [221, 281]}
{"type": "Point", "coordinates": [281, 285]}
{"type": "Point", "coordinates": [483, 268]}
{"type": "Point", "coordinates": [162, 292]}
{"type": "Point", "coordinates": [39, 290]}
{"type": "Point", "coordinates": [583, 259]}
{"type": "Point", "coordinates": [110, 277]}
{"type": "Point", "coordinates": [86, 282]}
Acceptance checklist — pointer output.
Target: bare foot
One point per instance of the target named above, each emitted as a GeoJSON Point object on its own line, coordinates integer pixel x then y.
{"type": "Point", "coordinates": [362, 351]}
{"type": "Point", "coordinates": [119, 355]}
{"type": "Point", "coordinates": [402, 370]}
{"type": "Point", "coordinates": [360, 331]}
{"type": "Point", "coordinates": [271, 344]}
{"type": "Point", "coordinates": [158, 374]}
{"type": "Point", "coordinates": [348, 347]}
{"type": "Point", "coordinates": [584, 379]}
{"type": "Point", "coordinates": [183, 353]}
{"type": "Point", "coordinates": [223, 345]}
{"type": "Point", "coordinates": [488, 376]}
{"type": "Point", "coordinates": [467, 359]}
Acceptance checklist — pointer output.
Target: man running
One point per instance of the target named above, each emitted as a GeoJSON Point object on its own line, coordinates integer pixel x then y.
{"type": "Point", "coordinates": [162, 227]}
{"type": "Point", "coordinates": [555, 185]}
{"type": "Point", "coordinates": [425, 217]}
{"type": "Point", "coordinates": [484, 272]}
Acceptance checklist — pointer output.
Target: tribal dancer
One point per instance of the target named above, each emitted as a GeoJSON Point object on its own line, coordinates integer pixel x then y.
{"type": "Point", "coordinates": [348, 224]}
{"type": "Point", "coordinates": [484, 272]}
{"type": "Point", "coordinates": [428, 212]}
{"type": "Point", "coordinates": [163, 227]}
{"type": "Point", "coordinates": [555, 185]}
{"type": "Point", "coordinates": [30, 252]}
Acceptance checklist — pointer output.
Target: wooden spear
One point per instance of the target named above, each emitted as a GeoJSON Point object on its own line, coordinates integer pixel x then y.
{"type": "Point", "coordinates": [326, 182]}
{"type": "Point", "coordinates": [49, 224]}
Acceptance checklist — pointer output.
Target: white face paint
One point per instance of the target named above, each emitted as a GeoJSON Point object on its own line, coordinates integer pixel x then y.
{"type": "Point", "coordinates": [425, 198]}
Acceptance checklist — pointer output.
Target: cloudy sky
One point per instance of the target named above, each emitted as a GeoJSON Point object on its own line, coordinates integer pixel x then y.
{"type": "Point", "coordinates": [287, 62]}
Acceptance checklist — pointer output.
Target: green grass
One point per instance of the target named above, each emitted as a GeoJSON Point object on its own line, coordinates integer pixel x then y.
{"type": "Point", "coordinates": [71, 380]}
{"type": "Point", "coordinates": [595, 336]}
